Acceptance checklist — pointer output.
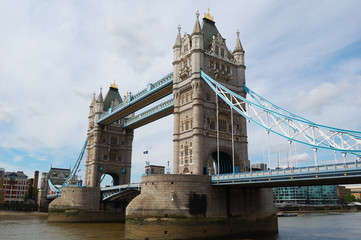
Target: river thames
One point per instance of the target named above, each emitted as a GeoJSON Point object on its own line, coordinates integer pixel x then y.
{"type": "Point", "coordinates": [307, 226]}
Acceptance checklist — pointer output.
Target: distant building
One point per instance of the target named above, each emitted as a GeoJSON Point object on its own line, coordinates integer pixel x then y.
{"type": "Point", "coordinates": [259, 167]}
{"type": "Point", "coordinates": [153, 169]}
{"type": "Point", "coordinates": [32, 194]}
{"type": "Point", "coordinates": [15, 186]}
{"type": "Point", "coordinates": [57, 177]}
{"type": "Point", "coordinates": [355, 191]}
{"type": "Point", "coordinates": [2, 171]}
{"type": "Point", "coordinates": [317, 195]}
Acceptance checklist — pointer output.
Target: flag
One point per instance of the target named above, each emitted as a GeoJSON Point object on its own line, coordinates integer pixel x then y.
{"type": "Point", "coordinates": [145, 152]}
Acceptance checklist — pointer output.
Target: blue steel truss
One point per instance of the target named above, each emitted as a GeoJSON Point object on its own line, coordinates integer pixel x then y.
{"type": "Point", "coordinates": [67, 182]}
{"type": "Point", "coordinates": [287, 125]}
{"type": "Point", "coordinates": [151, 89]}
{"type": "Point", "coordinates": [153, 112]}
{"type": "Point", "coordinates": [111, 192]}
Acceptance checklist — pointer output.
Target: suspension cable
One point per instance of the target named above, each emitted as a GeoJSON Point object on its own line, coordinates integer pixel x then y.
{"type": "Point", "coordinates": [232, 138]}
{"type": "Point", "coordinates": [217, 134]}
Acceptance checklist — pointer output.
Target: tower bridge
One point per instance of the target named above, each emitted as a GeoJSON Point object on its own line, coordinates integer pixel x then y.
{"type": "Point", "coordinates": [212, 185]}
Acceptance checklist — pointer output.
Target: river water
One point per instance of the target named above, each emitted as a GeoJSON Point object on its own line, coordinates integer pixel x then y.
{"type": "Point", "coordinates": [309, 226]}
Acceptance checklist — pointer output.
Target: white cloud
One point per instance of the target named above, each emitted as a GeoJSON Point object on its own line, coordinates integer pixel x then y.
{"type": "Point", "coordinates": [55, 55]}
{"type": "Point", "coordinates": [317, 98]}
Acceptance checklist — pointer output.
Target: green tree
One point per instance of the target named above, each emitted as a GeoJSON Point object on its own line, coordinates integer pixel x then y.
{"type": "Point", "coordinates": [349, 198]}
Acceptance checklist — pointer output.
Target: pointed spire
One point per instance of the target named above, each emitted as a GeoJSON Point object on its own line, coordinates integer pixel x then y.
{"type": "Point", "coordinates": [100, 97]}
{"type": "Point", "coordinates": [238, 47]}
{"type": "Point", "coordinates": [197, 26]}
{"type": "Point", "coordinates": [93, 100]}
{"type": "Point", "coordinates": [178, 41]}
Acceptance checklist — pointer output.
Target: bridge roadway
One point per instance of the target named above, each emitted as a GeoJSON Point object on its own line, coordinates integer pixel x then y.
{"type": "Point", "coordinates": [332, 174]}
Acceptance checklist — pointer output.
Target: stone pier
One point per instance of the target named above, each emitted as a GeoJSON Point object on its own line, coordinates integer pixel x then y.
{"type": "Point", "coordinates": [188, 206]}
{"type": "Point", "coordinates": [82, 204]}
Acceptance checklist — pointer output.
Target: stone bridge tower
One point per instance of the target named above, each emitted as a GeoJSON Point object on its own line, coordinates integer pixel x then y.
{"type": "Point", "coordinates": [195, 120]}
{"type": "Point", "coordinates": [109, 149]}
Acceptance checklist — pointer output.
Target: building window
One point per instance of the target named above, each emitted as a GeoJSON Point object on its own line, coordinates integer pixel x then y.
{"type": "Point", "coordinates": [113, 141]}
{"type": "Point", "coordinates": [211, 64]}
{"type": "Point", "coordinates": [217, 50]}
{"type": "Point", "coordinates": [222, 52]}
{"type": "Point", "coordinates": [222, 125]}
{"type": "Point", "coordinates": [212, 126]}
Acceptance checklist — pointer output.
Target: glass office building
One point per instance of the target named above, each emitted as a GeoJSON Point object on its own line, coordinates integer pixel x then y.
{"type": "Point", "coordinates": [316, 195]}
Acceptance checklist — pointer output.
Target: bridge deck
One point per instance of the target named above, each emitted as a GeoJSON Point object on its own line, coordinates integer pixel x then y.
{"type": "Point", "coordinates": [344, 173]}
{"type": "Point", "coordinates": [151, 115]}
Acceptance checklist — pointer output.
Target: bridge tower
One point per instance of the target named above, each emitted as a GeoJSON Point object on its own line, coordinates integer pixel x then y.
{"type": "Point", "coordinates": [109, 148]}
{"type": "Point", "coordinates": [195, 116]}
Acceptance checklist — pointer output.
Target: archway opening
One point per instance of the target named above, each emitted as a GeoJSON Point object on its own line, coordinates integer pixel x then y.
{"type": "Point", "coordinates": [108, 180]}
{"type": "Point", "coordinates": [225, 162]}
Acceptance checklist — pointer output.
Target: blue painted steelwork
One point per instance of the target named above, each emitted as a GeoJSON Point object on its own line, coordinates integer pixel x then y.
{"type": "Point", "coordinates": [149, 113]}
{"type": "Point", "coordinates": [292, 175]}
{"type": "Point", "coordinates": [288, 125]}
{"type": "Point", "coordinates": [76, 166]}
{"type": "Point", "coordinates": [151, 89]}
{"type": "Point", "coordinates": [110, 192]}
{"type": "Point", "coordinates": [71, 175]}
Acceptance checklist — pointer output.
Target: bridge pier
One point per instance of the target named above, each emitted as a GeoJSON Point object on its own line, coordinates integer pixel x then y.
{"type": "Point", "coordinates": [188, 206]}
{"type": "Point", "coordinates": [82, 204]}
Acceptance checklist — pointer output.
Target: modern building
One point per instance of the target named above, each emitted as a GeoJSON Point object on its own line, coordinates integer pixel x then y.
{"type": "Point", "coordinates": [15, 186]}
{"type": "Point", "coordinates": [316, 195]}
{"type": "Point", "coordinates": [259, 167]}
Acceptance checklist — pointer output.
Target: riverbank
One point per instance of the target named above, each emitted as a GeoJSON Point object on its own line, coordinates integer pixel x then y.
{"type": "Point", "coordinates": [319, 209]}
{"type": "Point", "coordinates": [20, 214]}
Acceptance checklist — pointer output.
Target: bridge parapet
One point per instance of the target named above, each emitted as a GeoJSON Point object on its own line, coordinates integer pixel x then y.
{"type": "Point", "coordinates": [341, 172]}
{"type": "Point", "coordinates": [133, 99]}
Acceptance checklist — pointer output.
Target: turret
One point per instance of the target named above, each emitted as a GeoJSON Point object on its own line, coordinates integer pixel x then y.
{"type": "Point", "coordinates": [99, 105]}
{"type": "Point", "coordinates": [197, 34]}
{"type": "Point", "coordinates": [238, 51]}
{"type": "Point", "coordinates": [177, 45]}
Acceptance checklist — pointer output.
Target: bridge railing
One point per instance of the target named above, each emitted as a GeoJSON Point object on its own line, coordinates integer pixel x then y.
{"type": "Point", "coordinates": [118, 187]}
{"type": "Point", "coordinates": [290, 171]}
{"type": "Point", "coordinates": [152, 87]}
{"type": "Point", "coordinates": [159, 108]}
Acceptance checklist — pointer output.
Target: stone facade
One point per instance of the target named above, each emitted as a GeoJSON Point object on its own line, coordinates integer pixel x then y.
{"type": "Point", "coordinates": [188, 207]}
{"type": "Point", "coordinates": [109, 148]}
{"type": "Point", "coordinates": [195, 114]}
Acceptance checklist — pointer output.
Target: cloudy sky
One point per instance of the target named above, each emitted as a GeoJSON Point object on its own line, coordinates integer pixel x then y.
{"type": "Point", "coordinates": [302, 55]}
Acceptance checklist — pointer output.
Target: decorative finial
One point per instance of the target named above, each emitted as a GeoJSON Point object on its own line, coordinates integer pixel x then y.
{"type": "Point", "coordinates": [179, 28]}
{"type": "Point", "coordinates": [197, 14]}
{"type": "Point", "coordinates": [113, 85]}
{"type": "Point", "coordinates": [208, 16]}
{"type": "Point", "coordinates": [237, 33]}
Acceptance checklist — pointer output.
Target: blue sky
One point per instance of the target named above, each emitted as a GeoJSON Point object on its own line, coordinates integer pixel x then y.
{"type": "Point", "coordinates": [302, 55]}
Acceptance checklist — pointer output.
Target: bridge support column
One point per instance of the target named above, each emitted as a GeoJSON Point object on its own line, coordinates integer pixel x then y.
{"type": "Point", "coordinates": [188, 206]}
{"type": "Point", "coordinates": [82, 204]}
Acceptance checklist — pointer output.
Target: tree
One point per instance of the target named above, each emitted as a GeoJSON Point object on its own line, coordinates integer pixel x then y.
{"type": "Point", "coordinates": [349, 198]}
